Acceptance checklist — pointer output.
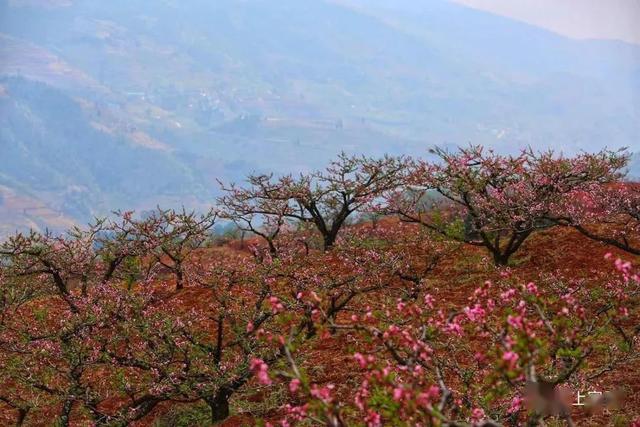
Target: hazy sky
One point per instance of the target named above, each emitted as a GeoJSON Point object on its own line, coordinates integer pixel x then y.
{"type": "Point", "coordinates": [610, 19]}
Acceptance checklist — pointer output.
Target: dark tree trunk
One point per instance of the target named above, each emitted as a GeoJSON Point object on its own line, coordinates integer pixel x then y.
{"type": "Point", "coordinates": [308, 324]}
{"type": "Point", "coordinates": [219, 405]}
{"type": "Point", "coordinates": [179, 278]}
{"type": "Point", "coordinates": [85, 285]}
{"type": "Point", "coordinates": [272, 249]}
{"type": "Point", "coordinates": [500, 259]}
{"type": "Point", "coordinates": [22, 415]}
{"type": "Point", "coordinates": [328, 241]}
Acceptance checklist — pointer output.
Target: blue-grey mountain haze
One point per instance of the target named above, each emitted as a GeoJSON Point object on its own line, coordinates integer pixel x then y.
{"type": "Point", "coordinates": [133, 103]}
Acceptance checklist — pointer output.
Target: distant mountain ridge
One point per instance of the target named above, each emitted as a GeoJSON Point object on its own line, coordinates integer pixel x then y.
{"type": "Point", "coordinates": [113, 104]}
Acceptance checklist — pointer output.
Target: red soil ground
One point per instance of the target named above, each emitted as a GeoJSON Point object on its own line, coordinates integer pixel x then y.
{"type": "Point", "coordinates": [557, 250]}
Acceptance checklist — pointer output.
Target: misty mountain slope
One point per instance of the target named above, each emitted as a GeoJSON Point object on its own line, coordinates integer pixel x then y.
{"type": "Point", "coordinates": [498, 42]}
{"type": "Point", "coordinates": [204, 90]}
{"type": "Point", "coordinates": [444, 71]}
{"type": "Point", "coordinates": [50, 146]}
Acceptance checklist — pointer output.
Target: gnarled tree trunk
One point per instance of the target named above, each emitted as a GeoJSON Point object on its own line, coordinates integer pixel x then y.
{"type": "Point", "coordinates": [219, 405]}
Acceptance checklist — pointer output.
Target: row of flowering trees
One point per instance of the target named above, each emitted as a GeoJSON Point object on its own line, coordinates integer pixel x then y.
{"type": "Point", "coordinates": [109, 324]}
{"type": "Point", "coordinates": [473, 196]}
